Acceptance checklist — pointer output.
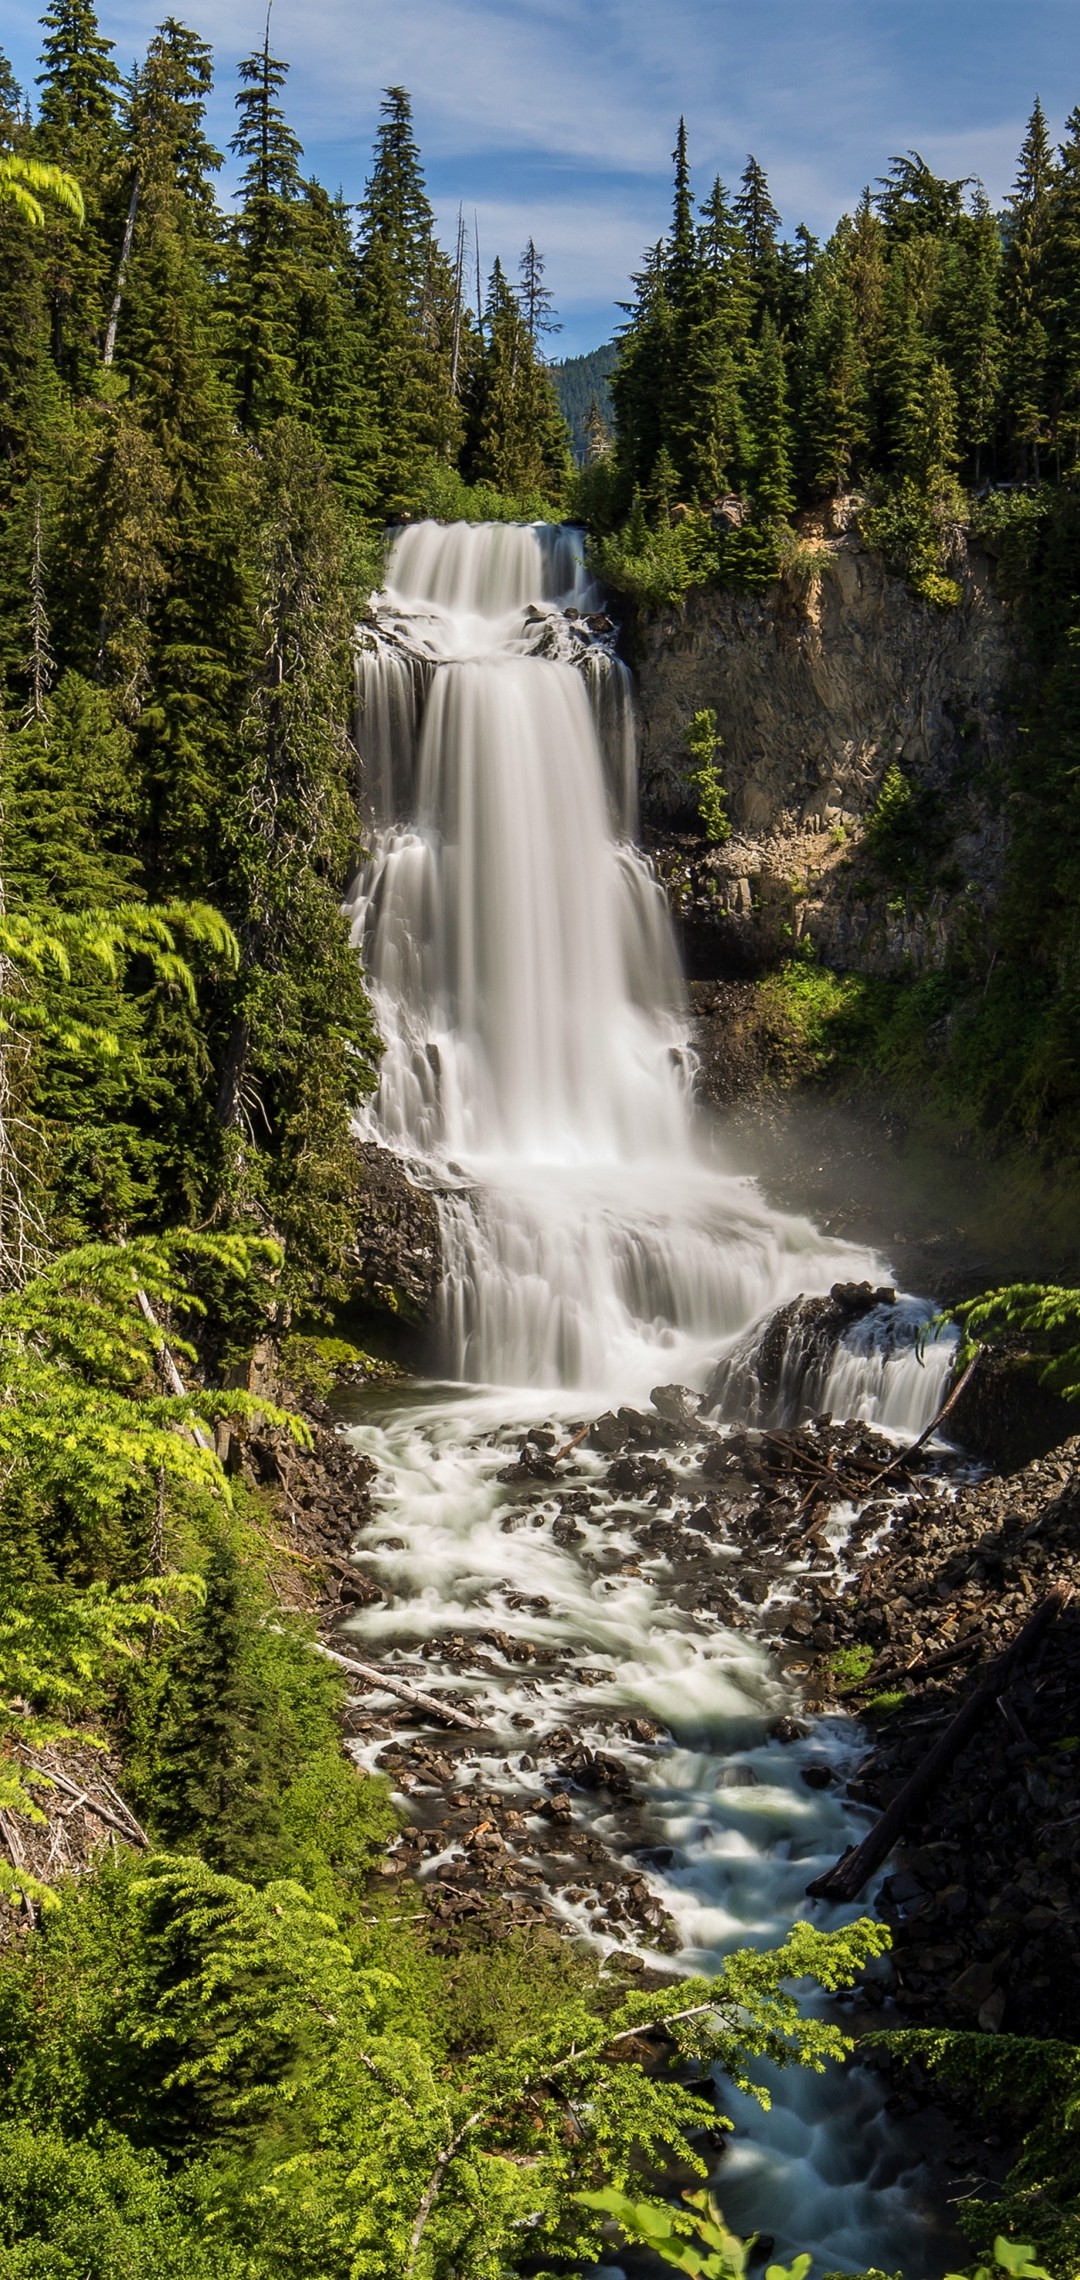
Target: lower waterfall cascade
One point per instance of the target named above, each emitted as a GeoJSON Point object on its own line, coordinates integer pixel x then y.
{"type": "Point", "coordinates": [537, 1077]}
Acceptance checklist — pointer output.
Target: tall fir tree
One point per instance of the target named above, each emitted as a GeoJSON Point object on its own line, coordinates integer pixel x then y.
{"type": "Point", "coordinates": [266, 269]}
{"type": "Point", "coordinates": [760, 222]}
{"type": "Point", "coordinates": [1026, 296]}
{"type": "Point", "coordinates": [78, 128]}
{"type": "Point", "coordinates": [771, 439]}
{"type": "Point", "coordinates": [834, 392]}
{"type": "Point", "coordinates": [520, 439]}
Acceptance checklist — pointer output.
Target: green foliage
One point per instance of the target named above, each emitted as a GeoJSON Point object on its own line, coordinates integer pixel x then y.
{"type": "Point", "coordinates": [698, 2243]}
{"type": "Point", "coordinates": [317, 1363]}
{"type": "Point", "coordinates": [97, 2208]}
{"type": "Point", "coordinates": [1043, 1314]}
{"type": "Point", "coordinates": [444, 495]}
{"type": "Point", "coordinates": [24, 182]}
{"type": "Point", "coordinates": [657, 568]}
{"type": "Point", "coordinates": [1032, 2085]}
{"type": "Point", "coordinates": [703, 743]}
{"type": "Point", "coordinates": [213, 2020]}
{"type": "Point", "coordinates": [1013, 2257]}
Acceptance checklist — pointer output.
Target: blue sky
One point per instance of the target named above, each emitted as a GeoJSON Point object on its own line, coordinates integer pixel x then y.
{"type": "Point", "coordinates": [557, 117]}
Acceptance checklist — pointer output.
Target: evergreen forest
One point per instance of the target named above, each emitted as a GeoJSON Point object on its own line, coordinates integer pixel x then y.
{"type": "Point", "coordinates": [231, 2047]}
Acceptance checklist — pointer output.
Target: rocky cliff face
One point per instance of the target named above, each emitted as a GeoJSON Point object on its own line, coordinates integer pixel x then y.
{"type": "Point", "coordinates": [395, 1259]}
{"type": "Point", "coordinates": [820, 686]}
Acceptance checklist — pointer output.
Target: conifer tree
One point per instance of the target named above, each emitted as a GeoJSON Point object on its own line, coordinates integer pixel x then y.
{"type": "Point", "coordinates": [915, 202]}
{"type": "Point", "coordinates": [701, 415]}
{"type": "Point", "coordinates": [395, 212]}
{"type": "Point", "coordinates": [267, 266]}
{"type": "Point", "coordinates": [834, 392]}
{"type": "Point", "coordinates": [299, 1043]}
{"type": "Point", "coordinates": [410, 313]}
{"type": "Point", "coordinates": [769, 423]}
{"type": "Point", "coordinates": [537, 303]}
{"type": "Point", "coordinates": [79, 81]}
{"type": "Point", "coordinates": [639, 380]}
{"type": "Point", "coordinates": [970, 328]}
{"type": "Point", "coordinates": [723, 251]}
{"type": "Point", "coordinates": [78, 129]}
{"type": "Point", "coordinates": [169, 159]}
{"type": "Point", "coordinates": [520, 437]}
{"type": "Point", "coordinates": [1026, 296]}
{"type": "Point", "coordinates": [759, 221]}
{"type": "Point", "coordinates": [1063, 297]}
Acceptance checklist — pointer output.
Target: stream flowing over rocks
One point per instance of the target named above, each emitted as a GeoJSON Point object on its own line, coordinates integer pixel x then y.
{"type": "Point", "coordinates": [660, 1476]}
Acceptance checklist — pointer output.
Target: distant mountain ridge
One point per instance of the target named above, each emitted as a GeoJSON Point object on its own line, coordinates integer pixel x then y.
{"type": "Point", "coordinates": [578, 380]}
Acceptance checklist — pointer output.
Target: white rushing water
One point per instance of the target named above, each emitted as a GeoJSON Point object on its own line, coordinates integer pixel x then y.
{"type": "Point", "coordinates": [537, 1077]}
{"type": "Point", "coordinates": [525, 977]}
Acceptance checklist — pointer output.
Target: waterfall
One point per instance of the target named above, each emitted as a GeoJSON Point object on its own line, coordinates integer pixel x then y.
{"type": "Point", "coordinates": [537, 1077]}
{"type": "Point", "coordinates": [525, 978]}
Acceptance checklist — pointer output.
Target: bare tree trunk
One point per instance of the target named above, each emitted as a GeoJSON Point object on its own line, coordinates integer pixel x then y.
{"type": "Point", "coordinates": [121, 269]}
{"type": "Point", "coordinates": [459, 286]}
{"type": "Point", "coordinates": [42, 663]}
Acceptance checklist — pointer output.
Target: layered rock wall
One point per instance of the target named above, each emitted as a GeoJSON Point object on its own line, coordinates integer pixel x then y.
{"type": "Point", "coordinates": [820, 685]}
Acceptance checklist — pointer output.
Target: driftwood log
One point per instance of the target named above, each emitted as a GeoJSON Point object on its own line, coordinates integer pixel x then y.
{"type": "Point", "coordinates": [429, 1703]}
{"type": "Point", "coordinates": [845, 1880]}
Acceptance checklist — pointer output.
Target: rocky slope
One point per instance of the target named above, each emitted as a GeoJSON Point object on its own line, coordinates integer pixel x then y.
{"type": "Point", "coordinates": [821, 685]}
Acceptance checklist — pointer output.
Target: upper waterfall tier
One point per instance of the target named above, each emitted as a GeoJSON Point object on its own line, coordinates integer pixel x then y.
{"type": "Point", "coordinates": [489, 569]}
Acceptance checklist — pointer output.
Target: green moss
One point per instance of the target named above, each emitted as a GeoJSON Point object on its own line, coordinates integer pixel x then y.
{"type": "Point", "coordinates": [850, 1664]}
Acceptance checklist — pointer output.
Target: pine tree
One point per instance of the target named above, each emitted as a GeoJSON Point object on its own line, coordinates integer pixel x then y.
{"type": "Point", "coordinates": [723, 250]}
{"type": "Point", "coordinates": [169, 158]}
{"type": "Point", "coordinates": [915, 202]}
{"type": "Point", "coordinates": [299, 1042]}
{"type": "Point", "coordinates": [79, 81]}
{"type": "Point", "coordinates": [701, 411]}
{"type": "Point", "coordinates": [265, 235]}
{"type": "Point", "coordinates": [395, 212]}
{"type": "Point", "coordinates": [759, 222]}
{"type": "Point", "coordinates": [409, 299]}
{"type": "Point", "coordinates": [1025, 296]}
{"type": "Point", "coordinates": [520, 439]}
{"type": "Point", "coordinates": [1063, 301]}
{"type": "Point", "coordinates": [639, 381]}
{"type": "Point", "coordinates": [537, 304]}
{"type": "Point", "coordinates": [682, 246]}
{"type": "Point", "coordinates": [834, 391]}
{"type": "Point", "coordinates": [970, 327]}
{"type": "Point", "coordinates": [78, 129]}
{"type": "Point", "coordinates": [771, 446]}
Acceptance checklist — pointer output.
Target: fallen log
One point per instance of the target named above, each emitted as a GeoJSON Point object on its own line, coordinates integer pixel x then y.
{"type": "Point", "coordinates": [845, 1880]}
{"type": "Point", "coordinates": [429, 1703]}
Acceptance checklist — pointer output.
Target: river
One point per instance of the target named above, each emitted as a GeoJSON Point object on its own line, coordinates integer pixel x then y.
{"type": "Point", "coordinates": [596, 1244]}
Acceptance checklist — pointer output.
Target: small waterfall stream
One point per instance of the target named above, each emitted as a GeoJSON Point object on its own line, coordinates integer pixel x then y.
{"type": "Point", "coordinates": [537, 1077]}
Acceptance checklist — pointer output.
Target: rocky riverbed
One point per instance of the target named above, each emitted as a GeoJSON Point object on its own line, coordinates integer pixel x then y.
{"type": "Point", "coordinates": [881, 1599]}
